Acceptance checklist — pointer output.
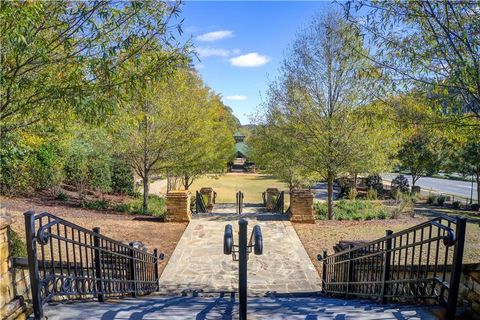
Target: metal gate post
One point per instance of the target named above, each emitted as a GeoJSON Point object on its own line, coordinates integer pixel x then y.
{"type": "Point", "coordinates": [242, 267]}
{"type": "Point", "coordinates": [155, 265]}
{"type": "Point", "coordinates": [133, 270]}
{"type": "Point", "coordinates": [33, 264]}
{"type": "Point", "coordinates": [324, 271]}
{"type": "Point", "coordinates": [456, 268]}
{"type": "Point", "coordinates": [386, 264]}
{"type": "Point", "coordinates": [98, 264]}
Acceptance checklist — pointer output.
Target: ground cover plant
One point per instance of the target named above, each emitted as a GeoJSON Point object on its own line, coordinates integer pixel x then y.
{"type": "Point", "coordinates": [352, 210]}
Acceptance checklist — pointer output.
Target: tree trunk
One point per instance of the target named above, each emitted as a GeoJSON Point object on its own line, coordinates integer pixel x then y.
{"type": "Point", "coordinates": [330, 195]}
{"type": "Point", "coordinates": [355, 177]}
{"type": "Point", "coordinates": [414, 180]}
{"type": "Point", "coordinates": [145, 194]}
{"type": "Point", "coordinates": [186, 183]}
{"type": "Point", "coordinates": [478, 188]}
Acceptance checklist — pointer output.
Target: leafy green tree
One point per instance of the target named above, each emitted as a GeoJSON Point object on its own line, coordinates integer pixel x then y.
{"type": "Point", "coordinates": [210, 139]}
{"type": "Point", "coordinates": [71, 55]}
{"type": "Point", "coordinates": [428, 43]}
{"type": "Point", "coordinates": [324, 80]}
{"type": "Point", "coordinates": [470, 161]}
{"type": "Point", "coordinates": [420, 155]}
{"type": "Point", "coordinates": [271, 150]}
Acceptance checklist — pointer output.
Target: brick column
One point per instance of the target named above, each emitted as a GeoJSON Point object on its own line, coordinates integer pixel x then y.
{"type": "Point", "coordinates": [271, 193]}
{"type": "Point", "coordinates": [301, 206]}
{"type": "Point", "coordinates": [178, 206]}
{"type": "Point", "coordinates": [208, 192]}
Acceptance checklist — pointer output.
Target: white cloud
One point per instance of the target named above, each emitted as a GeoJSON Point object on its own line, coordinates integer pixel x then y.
{"type": "Point", "coordinates": [199, 66]}
{"type": "Point", "coordinates": [204, 52]}
{"type": "Point", "coordinates": [236, 97]}
{"type": "Point", "coordinates": [214, 36]}
{"type": "Point", "coordinates": [252, 59]}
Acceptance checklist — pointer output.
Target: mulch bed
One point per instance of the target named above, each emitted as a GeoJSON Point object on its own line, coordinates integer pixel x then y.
{"type": "Point", "coordinates": [119, 226]}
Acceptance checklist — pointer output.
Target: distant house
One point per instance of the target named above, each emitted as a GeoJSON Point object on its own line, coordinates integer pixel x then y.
{"type": "Point", "coordinates": [241, 148]}
{"type": "Point", "coordinates": [240, 163]}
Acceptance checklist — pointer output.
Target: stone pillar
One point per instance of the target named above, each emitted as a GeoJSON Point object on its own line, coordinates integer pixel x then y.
{"type": "Point", "coordinates": [13, 283]}
{"type": "Point", "coordinates": [271, 193]}
{"type": "Point", "coordinates": [301, 206]}
{"type": "Point", "coordinates": [6, 290]}
{"type": "Point", "coordinates": [209, 194]}
{"type": "Point", "coordinates": [178, 206]}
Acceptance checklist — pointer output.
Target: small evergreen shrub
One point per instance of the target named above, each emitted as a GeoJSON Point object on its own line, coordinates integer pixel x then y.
{"type": "Point", "coordinates": [375, 182]}
{"type": "Point", "coordinates": [432, 199]}
{"type": "Point", "coordinates": [352, 194]}
{"type": "Point", "coordinates": [456, 205]}
{"type": "Point", "coordinates": [122, 178]}
{"type": "Point", "coordinates": [121, 207]}
{"type": "Point", "coordinates": [96, 204]}
{"type": "Point", "coordinates": [372, 194]}
{"type": "Point", "coordinates": [62, 196]}
{"type": "Point", "coordinates": [441, 199]}
{"type": "Point", "coordinates": [400, 183]}
{"type": "Point", "coordinates": [17, 246]}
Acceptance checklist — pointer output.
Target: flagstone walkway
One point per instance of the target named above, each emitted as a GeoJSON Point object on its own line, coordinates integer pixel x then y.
{"type": "Point", "coordinates": [199, 265]}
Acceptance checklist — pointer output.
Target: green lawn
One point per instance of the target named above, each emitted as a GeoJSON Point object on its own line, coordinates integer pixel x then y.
{"type": "Point", "coordinates": [227, 185]}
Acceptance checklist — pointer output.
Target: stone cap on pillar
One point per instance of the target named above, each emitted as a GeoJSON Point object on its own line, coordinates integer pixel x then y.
{"type": "Point", "coordinates": [301, 193]}
{"type": "Point", "coordinates": [178, 194]}
{"type": "Point", "coordinates": [206, 189]}
{"type": "Point", "coordinates": [273, 190]}
{"type": "Point", "coordinates": [6, 220]}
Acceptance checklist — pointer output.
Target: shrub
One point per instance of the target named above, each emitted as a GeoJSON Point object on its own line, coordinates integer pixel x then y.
{"type": "Point", "coordinates": [95, 204]}
{"type": "Point", "coordinates": [372, 194]}
{"type": "Point", "coordinates": [404, 204]}
{"type": "Point", "coordinates": [432, 199]}
{"type": "Point", "coordinates": [441, 199]}
{"type": "Point", "coordinates": [456, 205]}
{"type": "Point", "coordinates": [87, 168]}
{"type": "Point", "coordinates": [375, 182]}
{"type": "Point", "coordinates": [321, 210]}
{"type": "Point", "coordinates": [17, 246]}
{"type": "Point", "coordinates": [351, 210]}
{"type": "Point", "coordinates": [28, 164]}
{"type": "Point", "coordinates": [382, 214]}
{"type": "Point", "coordinates": [352, 194]}
{"type": "Point", "coordinates": [475, 207]}
{"type": "Point", "coordinates": [156, 206]}
{"type": "Point", "coordinates": [400, 183]}
{"type": "Point", "coordinates": [121, 207]}
{"type": "Point", "coordinates": [99, 172]}
{"type": "Point", "coordinates": [62, 196]}
{"type": "Point", "coordinates": [122, 178]}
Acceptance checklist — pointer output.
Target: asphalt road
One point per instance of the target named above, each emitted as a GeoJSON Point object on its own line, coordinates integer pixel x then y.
{"type": "Point", "coordinates": [460, 188]}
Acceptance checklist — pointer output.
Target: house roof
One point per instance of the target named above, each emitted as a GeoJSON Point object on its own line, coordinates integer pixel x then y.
{"type": "Point", "coordinates": [241, 147]}
{"type": "Point", "coordinates": [238, 134]}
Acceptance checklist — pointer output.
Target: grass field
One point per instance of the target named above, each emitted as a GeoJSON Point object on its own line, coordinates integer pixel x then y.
{"type": "Point", "coordinates": [227, 185]}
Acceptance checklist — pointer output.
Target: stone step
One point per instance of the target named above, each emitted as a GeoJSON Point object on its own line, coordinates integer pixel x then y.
{"type": "Point", "coordinates": [225, 306]}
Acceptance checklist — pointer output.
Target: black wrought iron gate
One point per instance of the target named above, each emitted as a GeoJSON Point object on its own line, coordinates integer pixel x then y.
{"type": "Point", "coordinates": [68, 261]}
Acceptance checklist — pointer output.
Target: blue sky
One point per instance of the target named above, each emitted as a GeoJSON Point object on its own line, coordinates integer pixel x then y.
{"type": "Point", "coordinates": [241, 44]}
